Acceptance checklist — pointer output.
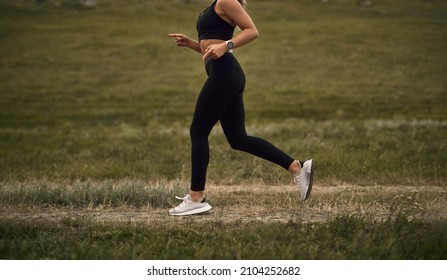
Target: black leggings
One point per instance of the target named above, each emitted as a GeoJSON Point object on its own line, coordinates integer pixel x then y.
{"type": "Point", "coordinates": [221, 99]}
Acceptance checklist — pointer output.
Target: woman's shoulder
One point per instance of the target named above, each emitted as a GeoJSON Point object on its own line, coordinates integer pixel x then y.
{"type": "Point", "coordinates": [226, 3]}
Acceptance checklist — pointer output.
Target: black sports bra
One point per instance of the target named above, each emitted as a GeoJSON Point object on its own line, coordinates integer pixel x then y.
{"type": "Point", "coordinates": [211, 26]}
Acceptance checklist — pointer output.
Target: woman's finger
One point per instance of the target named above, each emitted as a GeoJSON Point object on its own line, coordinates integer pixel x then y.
{"type": "Point", "coordinates": [207, 53]}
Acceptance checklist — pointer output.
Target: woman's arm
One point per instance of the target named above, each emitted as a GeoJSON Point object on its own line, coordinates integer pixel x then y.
{"type": "Point", "coordinates": [233, 12]}
{"type": "Point", "coordinates": [183, 41]}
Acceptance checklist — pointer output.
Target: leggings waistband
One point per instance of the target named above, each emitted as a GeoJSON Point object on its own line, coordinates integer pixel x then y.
{"type": "Point", "coordinates": [209, 58]}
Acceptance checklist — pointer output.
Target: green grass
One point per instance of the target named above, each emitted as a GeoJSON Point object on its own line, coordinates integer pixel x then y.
{"type": "Point", "coordinates": [88, 193]}
{"type": "Point", "coordinates": [343, 238]}
{"type": "Point", "coordinates": [103, 93]}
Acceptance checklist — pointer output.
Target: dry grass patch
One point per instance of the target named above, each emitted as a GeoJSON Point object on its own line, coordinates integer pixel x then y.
{"type": "Point", "coordinates": [137, 201]}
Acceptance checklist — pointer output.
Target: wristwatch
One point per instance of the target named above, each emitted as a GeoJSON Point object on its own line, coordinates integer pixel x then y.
{"type": "Point", "coordinates": [230, 45]}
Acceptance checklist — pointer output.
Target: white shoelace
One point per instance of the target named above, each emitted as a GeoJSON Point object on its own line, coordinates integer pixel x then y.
{"type": "Point", "coordinates": [297, 180]}
{"type": "Point", "coordinates": [184, 199]}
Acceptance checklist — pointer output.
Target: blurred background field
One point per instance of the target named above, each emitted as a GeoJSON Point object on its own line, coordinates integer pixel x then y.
{"type": "Point", "coordinates": [96, 103]}
{"type": "Point", "coordinates": [101, 92]}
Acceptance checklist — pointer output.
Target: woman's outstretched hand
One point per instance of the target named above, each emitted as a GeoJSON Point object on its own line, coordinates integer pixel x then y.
{"type": "Point", "coordinates": [180, 39]}
{"type": "Point", "coordinates": [183, 41]}
{"type": "Point", "coordinates": [214, 51]}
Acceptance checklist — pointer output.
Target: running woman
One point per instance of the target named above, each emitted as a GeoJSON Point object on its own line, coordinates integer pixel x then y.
{"type": "Point", "coordinates": [221, 99]}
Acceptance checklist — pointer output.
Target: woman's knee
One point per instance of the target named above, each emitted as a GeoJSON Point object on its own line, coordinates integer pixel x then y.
{"type": "Point", "coordinates": [237, 143]}
{"type": "Point", "coordinates": [198, 134]}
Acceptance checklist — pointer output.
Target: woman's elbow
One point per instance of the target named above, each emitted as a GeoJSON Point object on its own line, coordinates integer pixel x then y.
{"type": "Point", "coordinates": [255, 33]}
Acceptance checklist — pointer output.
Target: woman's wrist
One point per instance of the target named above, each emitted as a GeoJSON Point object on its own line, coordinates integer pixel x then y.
{"type": "Point", "coordinates": [194, 45]}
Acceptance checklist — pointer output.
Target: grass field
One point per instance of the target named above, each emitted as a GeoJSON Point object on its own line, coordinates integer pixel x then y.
{"type": "Point", "coordinates": [94, 132]}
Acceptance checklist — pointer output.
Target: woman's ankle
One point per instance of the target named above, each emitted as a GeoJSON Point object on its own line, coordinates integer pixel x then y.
{"type": "Point", "coordinates": [197, 195]}
{"type": "Point", "coordinates": [295, 167]}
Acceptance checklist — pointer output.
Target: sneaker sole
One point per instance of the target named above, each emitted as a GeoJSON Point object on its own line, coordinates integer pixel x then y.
{"type": "Point", "coordinates": [311, 180]}
{"type": "Point", "coordinates": [193, 212]}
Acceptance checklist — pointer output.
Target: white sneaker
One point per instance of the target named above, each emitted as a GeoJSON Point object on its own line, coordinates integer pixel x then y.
{"type": "Point", "coordinates": [304, 179]}
{"type": "Point", "coordinates": [189, 207]}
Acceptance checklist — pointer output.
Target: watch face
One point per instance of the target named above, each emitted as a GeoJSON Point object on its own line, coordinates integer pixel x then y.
{"type": "Point", "coordinates": [230, 45]}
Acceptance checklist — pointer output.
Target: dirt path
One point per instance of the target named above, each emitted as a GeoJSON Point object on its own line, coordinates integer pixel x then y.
{"type": "Point", "coordinates": [253, 204]}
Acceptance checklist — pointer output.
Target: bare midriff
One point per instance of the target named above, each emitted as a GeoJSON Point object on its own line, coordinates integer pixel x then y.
{"type": "Point", "coordinates": [208, 42]}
